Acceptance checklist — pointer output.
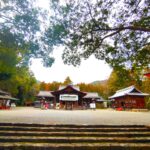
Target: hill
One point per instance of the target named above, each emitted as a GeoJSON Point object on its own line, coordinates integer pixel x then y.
{"type": "Point", "coordinates": [99, 82]}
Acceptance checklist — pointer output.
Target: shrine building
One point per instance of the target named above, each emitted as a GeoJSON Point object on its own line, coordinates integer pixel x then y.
{"type": "Point", "coordinates": [130, 98]}
{"type": "Point", "coordinates": [6, 100]}
{"type": "Point", "coordinates": [68, 97]}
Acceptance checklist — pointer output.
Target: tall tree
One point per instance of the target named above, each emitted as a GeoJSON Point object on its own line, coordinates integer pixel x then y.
{"type": "Point", "coordinates": [8, 62]}
{"type": "Point", "coordinates": [67, 81]}
{"type": "Point", "coordinates": [55, 86]}
{"type": "Point", "coordinates": [21, 38]}
{"type": "Point", "coordinates": [115, 31]}
{"type": "Point", "coordinates": [119, 79]}
{"type": "Point", "coordinates": [21, 29]}
{"type": "Point", "coordinates": [21, 84]}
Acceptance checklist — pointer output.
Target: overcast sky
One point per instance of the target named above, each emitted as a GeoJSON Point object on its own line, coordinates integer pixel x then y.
{"type": "Point", "coordinates": [90, 70]}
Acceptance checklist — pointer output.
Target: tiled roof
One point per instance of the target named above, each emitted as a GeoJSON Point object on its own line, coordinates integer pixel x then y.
{"type": "Point", "coordinates": [45, 94]}
{"type": "Point", "coordinates": [3, 93]}
{"type": "Point", "coordinates": [7, 97]}
{"type": "Point", "coordinates": [128, 91]}
{"type": "Point", "coordinates": [91, 95]}
{"type": "Point", "coordinates": [138, 94]}
{"type": "Point", "coordinates": [73, 86]}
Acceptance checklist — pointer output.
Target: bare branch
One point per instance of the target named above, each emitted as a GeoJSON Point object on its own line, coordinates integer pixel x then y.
{"type": "Point", "coordinates": [90, 12]}
{"type": "Point", "coordinates": [135, 28]}
{"type": "Point", "coordinates": [110, 35]}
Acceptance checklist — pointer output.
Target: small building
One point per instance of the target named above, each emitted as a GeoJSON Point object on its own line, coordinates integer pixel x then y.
{"type": "Point", "coordinates": [129, 98]}
{"type": "Point", "coordinates": [6, 100]}
{"type": "Point", "coordinates": [68, 97]}
{"type": "Point", "coordinates": [46, 97]}
{"type": "Point", "coordinates": [92, 97]}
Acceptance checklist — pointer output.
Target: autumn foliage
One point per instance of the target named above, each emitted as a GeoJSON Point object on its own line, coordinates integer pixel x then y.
{"type": "Point", "coordinates": [117, 80]}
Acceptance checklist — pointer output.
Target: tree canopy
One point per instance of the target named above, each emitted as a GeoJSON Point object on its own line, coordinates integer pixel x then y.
{"type": "Point", "coordinates": [22, 27]}
{"type": "Point", "coordinates": [20, 24]}
{"type": "Point", "coordinates": [115, 31]}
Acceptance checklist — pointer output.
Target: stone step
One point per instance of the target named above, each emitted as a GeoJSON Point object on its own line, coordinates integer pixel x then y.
{"type": "Point", "coordinates": [35, 139]}
{"type": "Point", "coordinates": [73, 129]}
{"type": "Point", "coordinates": [75, 146]}
{"type": "Point", "coordinates": [71, 125]}
{"type": "Point", "coordinates": [74, 137]}
{"type": "Point", "coordinates": [75, 134]}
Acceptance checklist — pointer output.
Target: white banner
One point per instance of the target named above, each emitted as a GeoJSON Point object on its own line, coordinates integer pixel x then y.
{"type": "Point", "coordinates": [68, 97]}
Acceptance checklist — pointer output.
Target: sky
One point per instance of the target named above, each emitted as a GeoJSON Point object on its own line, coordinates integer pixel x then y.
{"type": "Point", "coordinates": [90, 70]}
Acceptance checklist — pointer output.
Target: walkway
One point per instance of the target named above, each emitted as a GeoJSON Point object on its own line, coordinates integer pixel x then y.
{"type": "Point", "coordinates": [97, 117]}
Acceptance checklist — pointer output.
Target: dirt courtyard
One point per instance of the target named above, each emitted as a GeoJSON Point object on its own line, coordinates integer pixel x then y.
{"type": "Point", "coordinates": [93, 117]}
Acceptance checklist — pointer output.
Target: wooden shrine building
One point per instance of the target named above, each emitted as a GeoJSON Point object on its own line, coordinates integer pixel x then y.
{"type": "Point", "coordinates": [68, 97]}
{"type": "Point", "coordinates": [130, 98]}
{"type": "Point", "coordinates": [6, 100]}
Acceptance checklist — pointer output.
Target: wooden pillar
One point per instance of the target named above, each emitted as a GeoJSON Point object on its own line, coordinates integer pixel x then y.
{"type": "Point", "coordinates": [76, 104]}
{"type": "Point", "coordinates": [144, 104]}
{"type": "Point", "coordinates": [60, 104]}
{"type": "Point", "coordinates": [82, 103]}
{"type": "Point", "coordinates": [54, 103]}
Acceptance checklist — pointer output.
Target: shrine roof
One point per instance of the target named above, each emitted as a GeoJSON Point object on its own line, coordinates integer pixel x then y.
{"type": "Point", "coordinates": [73, 86]}
{"type": "Point", "coordinates": [7, 97]}
{"type": "Point", "coordinates": [91, 95]}
{"type": "Point", "coordinates": [4, 93]}
{"type": "Point", "coordinates": [68, 88]}
{"type": "Point", "coordinates": [45, 94]}
{"type": "Point", "coordinates": [138, 94]}
{"type": "Point", "coordinates": [128, 91]}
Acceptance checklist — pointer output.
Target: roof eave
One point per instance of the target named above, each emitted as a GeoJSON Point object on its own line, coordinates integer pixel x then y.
{"type": "Point", "coordinates": [44, 96]}
{"type": "Point", "coordinates": [92, 97]}
{"type": "Point", "coordinates": [55, 92]}
{"type": "Point", "coordinates": [141, 94]}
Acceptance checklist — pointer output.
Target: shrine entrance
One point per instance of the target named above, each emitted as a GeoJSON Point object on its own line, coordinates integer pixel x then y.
{"type": "Point", "coordinates": [68, 100]}
{"type": "Point", "coordinates": [68, 105]}
{"type": "Point", "coordinates": [70, 97]}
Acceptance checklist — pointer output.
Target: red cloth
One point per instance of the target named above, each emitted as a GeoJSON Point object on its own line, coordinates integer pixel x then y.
{"type": "Point", "coordinates": [119, 109]}
{"type": "Point", "coordinates": [4, 107]}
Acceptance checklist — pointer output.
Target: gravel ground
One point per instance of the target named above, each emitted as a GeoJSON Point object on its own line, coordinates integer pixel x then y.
{"type": "Point", "coordinates": [93, 117]}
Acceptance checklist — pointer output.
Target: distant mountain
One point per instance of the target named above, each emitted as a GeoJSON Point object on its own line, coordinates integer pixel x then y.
{"type": "Point", "coordinates": [99, 82]}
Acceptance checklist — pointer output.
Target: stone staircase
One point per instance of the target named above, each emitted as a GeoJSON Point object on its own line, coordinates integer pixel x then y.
{"type": "Point", "coordinates": [74, 137]}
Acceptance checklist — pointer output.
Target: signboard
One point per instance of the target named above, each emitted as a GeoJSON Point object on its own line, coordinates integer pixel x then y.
{"type": "Point", "coordinates": [68, 97]}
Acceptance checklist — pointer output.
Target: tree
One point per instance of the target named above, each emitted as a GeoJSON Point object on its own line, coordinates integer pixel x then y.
{"type": "Point", "coordinates": [20, 40]}
{"type": "Point", "coordinates": [21, 84]}
{"type": "Point", "coordinates": [21, 29]}
{"type": "Point", "coordinates": [55, 86]}
{"type": "Point", "coordinates": [42, 86]}
{"type": "Point", "coordinates": [119, 79]}
{"type": "Point", "coordinates": [115, 31]}
{"type": "Point", "coordinates": [8, 62]}
{"type": "Point", "coordinates": [67, 81]}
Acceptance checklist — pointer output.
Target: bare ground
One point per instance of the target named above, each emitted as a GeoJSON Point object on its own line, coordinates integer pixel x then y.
{"type": "Point", "coordinates": [93, 117]}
